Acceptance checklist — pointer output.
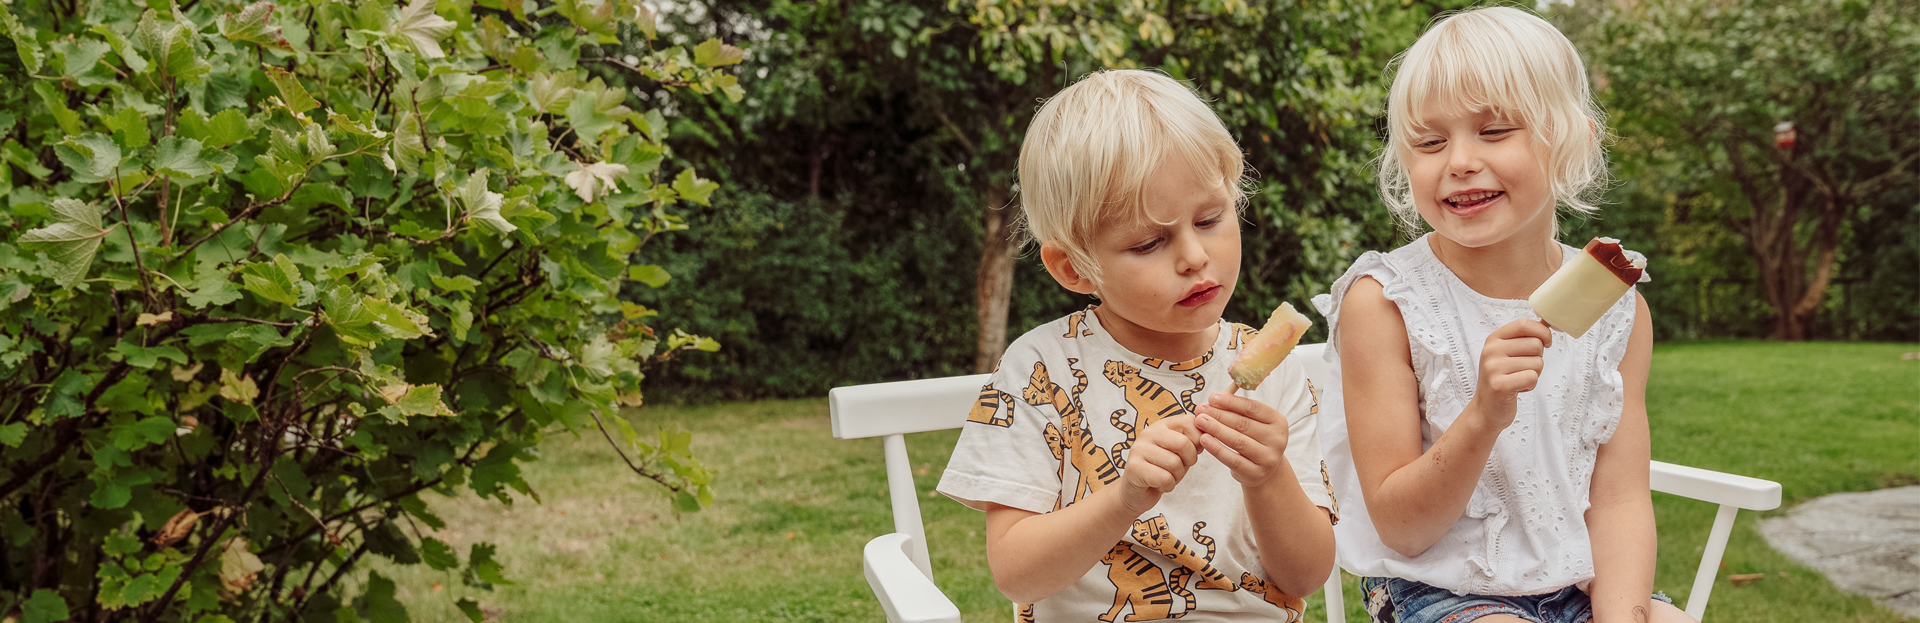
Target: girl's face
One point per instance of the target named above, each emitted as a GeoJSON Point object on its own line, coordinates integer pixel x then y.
{"type": "Point", "coordinates": [1478, 180]}
{"type": "Point", "coordinates": [1163, 287]}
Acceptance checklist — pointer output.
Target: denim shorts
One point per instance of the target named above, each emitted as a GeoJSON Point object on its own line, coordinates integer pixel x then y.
{"type": "Point", "coordinates": [1394, 600]}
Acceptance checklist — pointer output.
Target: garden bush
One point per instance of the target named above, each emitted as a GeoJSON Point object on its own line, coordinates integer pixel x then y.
{"type": "Point", "coordinates": [273, 272]}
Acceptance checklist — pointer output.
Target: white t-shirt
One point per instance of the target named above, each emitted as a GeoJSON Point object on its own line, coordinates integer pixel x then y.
{"type": "Point", "coordinates": [1056, 422]}
{"type": "Point", "coordinates": [1524, 531]}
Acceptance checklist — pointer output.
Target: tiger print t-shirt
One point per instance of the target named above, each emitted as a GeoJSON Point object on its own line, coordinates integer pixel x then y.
{"type": "Point", "coordinates": [1055, 423]}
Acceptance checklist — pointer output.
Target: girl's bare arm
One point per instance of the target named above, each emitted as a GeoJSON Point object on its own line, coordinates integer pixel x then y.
{"type": "Point", "coordinates": [1620, 520]}
{"type": "Point", "coordinates": [1415, 497]}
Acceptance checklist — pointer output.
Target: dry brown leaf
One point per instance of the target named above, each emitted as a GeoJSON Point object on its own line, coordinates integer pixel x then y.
{"type": "Point", "coordinates": [237, 569]}
{"type": "Point", "coordinates": [184, 374]}
{"type": "Point", "coordinates": [393, 393]}
{"type": "Point", "coordinates": [146, 320]}
{"type": "Point", "coordinates": [176, 528]}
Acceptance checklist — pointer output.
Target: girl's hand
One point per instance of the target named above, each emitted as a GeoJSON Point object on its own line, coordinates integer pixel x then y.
{"type": "Point", "coordinates": [1157, 462]}
{"type": "Point", "coordinates": [1247, 435]}
{"type": "Point", "coordinates": [1509, 364]}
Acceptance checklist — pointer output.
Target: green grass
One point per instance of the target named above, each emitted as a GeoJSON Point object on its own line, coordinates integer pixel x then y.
{"type": "Point", "coordinates": [782, 542]}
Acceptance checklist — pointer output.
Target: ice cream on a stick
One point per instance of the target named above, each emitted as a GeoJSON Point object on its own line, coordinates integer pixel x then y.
{"type": "Point", "coordinates": [1260, 355]}
{"type": "Point", "coordinates": [1586, 286]}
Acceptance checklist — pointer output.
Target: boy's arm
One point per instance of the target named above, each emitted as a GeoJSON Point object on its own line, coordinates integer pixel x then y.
{"type": "Point", "coordinates": [1295, 536]}
{"type": "Point", "coordinates": [1620, 520]}
{"type": "Point", "coordinates": [1415, 497]}
{"type": "Point", "coordinates": [1034, 555]}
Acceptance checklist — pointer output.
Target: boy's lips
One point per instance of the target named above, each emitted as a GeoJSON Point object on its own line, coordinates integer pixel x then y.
{"type": "Point", "coordinates": [1469, 203]}
{"type": "Point", "coordinates": [1201, 296]}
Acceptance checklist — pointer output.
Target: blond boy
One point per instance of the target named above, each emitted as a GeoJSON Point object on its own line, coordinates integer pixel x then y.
{"type": "Point", "coordinates": [1122, 475]}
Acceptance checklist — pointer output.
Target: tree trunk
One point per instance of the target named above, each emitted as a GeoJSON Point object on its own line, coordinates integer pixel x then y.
{"type": "Point", "coordinates": [994, 286]}
{"type": "Point", "coordinates": [1777, 251]}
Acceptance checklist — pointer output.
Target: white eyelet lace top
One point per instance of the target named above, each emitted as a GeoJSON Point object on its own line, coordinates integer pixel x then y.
{"type": "Point", "coordinates": [1524, 530]}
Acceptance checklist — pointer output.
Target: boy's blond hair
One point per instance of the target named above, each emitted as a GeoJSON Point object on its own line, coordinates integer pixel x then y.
{"type": "Point", "coordinates": [1091, 148]}
{"type": "Point", "coordinates": [1516, 64]}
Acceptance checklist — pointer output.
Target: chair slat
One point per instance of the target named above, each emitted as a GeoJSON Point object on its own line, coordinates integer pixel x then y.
{"type": "Point", "coordinates": [883, 409]}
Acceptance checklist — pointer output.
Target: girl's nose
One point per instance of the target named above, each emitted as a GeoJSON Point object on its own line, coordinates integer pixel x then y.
{"type": "Point", "coordinates": [1463, 160]}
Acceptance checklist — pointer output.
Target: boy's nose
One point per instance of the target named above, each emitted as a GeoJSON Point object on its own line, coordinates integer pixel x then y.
{"type": "Point", "coordinates": [1189, 254]}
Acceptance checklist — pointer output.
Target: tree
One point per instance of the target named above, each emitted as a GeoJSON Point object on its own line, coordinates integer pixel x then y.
{"type": "Point", "coordinates": [271, 273]}
{"type": "Point", "coordinates": [1700, 85]}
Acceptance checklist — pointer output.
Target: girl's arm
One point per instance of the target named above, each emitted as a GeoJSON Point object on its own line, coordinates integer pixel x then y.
{"type": "Point", "coordinates": [1620, 520]}
{"type": "Point", "coordinates": [1415, 497]}
{"type": "Point", "coordinates": [1034, 555]}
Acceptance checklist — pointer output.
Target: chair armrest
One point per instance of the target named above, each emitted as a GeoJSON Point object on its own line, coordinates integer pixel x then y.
{"type": "Point", "coordinates": [1716, 487]}
{"type": "Point", "coordinates": [906, 594]}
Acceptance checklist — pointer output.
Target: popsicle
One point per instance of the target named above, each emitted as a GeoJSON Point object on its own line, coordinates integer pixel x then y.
{"type": "Point", "coordinates": [1586, 286]}
{"type": "Point", "coordinates": [1260, 355]}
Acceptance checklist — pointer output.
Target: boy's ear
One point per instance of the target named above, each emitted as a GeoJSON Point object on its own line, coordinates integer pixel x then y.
{"type": "Point", "coordinates": [1061, 267]}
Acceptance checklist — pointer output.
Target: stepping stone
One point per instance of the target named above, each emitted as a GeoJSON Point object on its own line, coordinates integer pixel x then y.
{"type": "Point", "coordinates": [1866, 543]}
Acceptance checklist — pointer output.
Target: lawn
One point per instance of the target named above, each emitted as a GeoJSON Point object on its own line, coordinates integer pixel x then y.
{"type": "Point", "coordinates": [782, 541]}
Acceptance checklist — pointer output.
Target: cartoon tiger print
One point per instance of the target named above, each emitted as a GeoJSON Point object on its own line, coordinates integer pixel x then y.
{"type": "Point", "coordinates": [1241, 333]}
{"type": "Point", "coordinates": [1023, 613]}
{"type": "Point", "coordinates": [1294, 607]}
{"type": "Point", "coordinates": [1151, 401]}
{"type": "Point", "coordinates": [1138, 583]}
{"type": "Point", "coordinates": [1077, 325]}
{"type": "Point", "coordinates": [1193, 364]}
{"type": "Point", "coordinates": [1073, 440]}
{"type": "Point", "coordinates": [1155, 534]}
{"type": "Point", "coordinates": [987, 409]}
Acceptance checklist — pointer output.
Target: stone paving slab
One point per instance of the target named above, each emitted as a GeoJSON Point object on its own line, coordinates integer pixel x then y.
{"type": "Point", "coordinates": [1866, 543]}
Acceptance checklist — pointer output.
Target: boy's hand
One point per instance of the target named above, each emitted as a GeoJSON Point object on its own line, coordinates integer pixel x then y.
{"type": "Point", "coordinates": [1510, 363]}
{"type": "Point", "coordinates": [1247, 435]}
{"type": "Point", "coordinates": [1157, 462]}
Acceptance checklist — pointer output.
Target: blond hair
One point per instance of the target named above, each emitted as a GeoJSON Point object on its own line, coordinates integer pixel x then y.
{"type": "Point", "coordinates": [1516, 64]}
{"type": "Point", "coordinates": [1092, 147]}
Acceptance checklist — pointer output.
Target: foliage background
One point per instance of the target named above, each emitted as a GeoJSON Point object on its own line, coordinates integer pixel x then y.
{"type": "Point", "coordinates": [844, 246]}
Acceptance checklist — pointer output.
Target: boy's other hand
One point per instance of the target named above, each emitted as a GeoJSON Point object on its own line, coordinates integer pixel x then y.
{"type": "Point", "coordinates": [1510, 363]}
{"type": "Point", "coordinates": [1249, 436]}
{"type": "Point", "coordinates": [1157, 462]}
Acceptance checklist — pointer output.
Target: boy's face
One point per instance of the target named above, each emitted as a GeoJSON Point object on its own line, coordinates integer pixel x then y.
{"type": "Point", "coordinates": [1477, 178]}
{"type": "Point", "coordinates": [1163, 286]}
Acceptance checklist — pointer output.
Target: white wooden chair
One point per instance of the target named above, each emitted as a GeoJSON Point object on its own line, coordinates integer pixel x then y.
{"type": "Point", "coordinates": [897, 567]}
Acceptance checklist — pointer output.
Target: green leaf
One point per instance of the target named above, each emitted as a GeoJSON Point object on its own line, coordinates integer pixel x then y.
{"type": "Point", "coordinates": [24, 40]}
{"type": "Point", "coordinates": [713, 53]}
{"type": "Point", "coordinates": [381, 606]}
{"type": "Point", "coordinates": [482, 566]}
{"type": "Point", "coordinates": [692, 188]}
{"type": "Point", "coordinates": [291, 92]}
{"type": "Point", "coordinates": [458, 283]}
{"type": "Point", "coordinates": [251, 26]}
{"type": "Point", "coordinates": [470, 608]}
{"type": "Point", "coordinates": [438, 554]}
{"type": "Point", "coordinates": [462, 319]}
{"type": "Point", "coordinates": [12, 434]}
{"type": "Point", "coordinates": [179, 158]}
{"type": "Point", "coordinates": [130, 127]}
{"type": "Point", "coordinates": [422, 29]}
{"type": "Point", "coordinates": [56, 102]}
{"type": "Point", "coordinates": [278, 281]}
{"type": "Point", "coordinates": [483, 206]}
{"type": "Point", "coordinates": [92, 157]}
{"type": "Point", "coordinates": [170, 47]}
{"type": "Point", "coordinates": [142, 433]}
{"type": "Point", "coordinates": [212, 286]}
{"type": "Point", "coordinates": [147, 358]}
{"type": "Point", "coordinates": [651, 274]}
{"type": "Point", "coordinates": [70, 240]}
{"type": "Point", "coordinates": [226, 128]}
{"type": "Point", "coordinates": [45, 606]}
{"type": "Point", "coordinates": [12, 152]}
{"type": "Point", "coordinates": [407, 147]}
{"type": "Point", "coordinates": [587, 120]}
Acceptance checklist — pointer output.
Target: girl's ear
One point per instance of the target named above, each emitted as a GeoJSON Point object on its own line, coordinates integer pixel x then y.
{"type": "Point", "coordinates": [1061, 267]}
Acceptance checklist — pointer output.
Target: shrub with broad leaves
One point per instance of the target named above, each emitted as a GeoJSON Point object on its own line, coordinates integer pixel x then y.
{"type": "Point", "coordinates": [270, 273]}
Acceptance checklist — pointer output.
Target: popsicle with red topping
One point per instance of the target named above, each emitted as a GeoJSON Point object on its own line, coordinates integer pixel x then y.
{"type": "Point", "coordinates": [1586, 286]}
{"type": "Point", "coordinates": [1260, 355]}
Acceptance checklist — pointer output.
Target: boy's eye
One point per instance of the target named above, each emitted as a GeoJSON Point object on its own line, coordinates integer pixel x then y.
{"type": "Point", "coordinates": [1430, 143]}
{"type": "Point", "coordinates": [1497, 132]}
{"type": "Point", "coordinates": [1145, 247]}
{"type": "Point", "coordinates": [1208, 222]}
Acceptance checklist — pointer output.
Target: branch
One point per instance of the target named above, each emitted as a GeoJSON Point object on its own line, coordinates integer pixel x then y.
{"type": "Point", "coordinates": [958, 135]}
{"type": "Point", "coordinates": [245, 214]}
{"type": "Point", "coordinates": [623, 455]}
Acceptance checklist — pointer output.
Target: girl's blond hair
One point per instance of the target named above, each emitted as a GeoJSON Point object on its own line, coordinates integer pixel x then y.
{"type": "Point", "coordinates": [1514, 63]}
{"type": "Point", "coordinates": [1092, 147]}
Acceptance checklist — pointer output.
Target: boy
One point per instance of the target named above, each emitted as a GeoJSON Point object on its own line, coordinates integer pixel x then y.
{"type": "Point", "coordinates": [1118, 468]}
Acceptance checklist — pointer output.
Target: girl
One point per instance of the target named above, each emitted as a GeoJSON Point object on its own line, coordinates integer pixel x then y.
{"type": "Point", "coordinates": [1494, 469]}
